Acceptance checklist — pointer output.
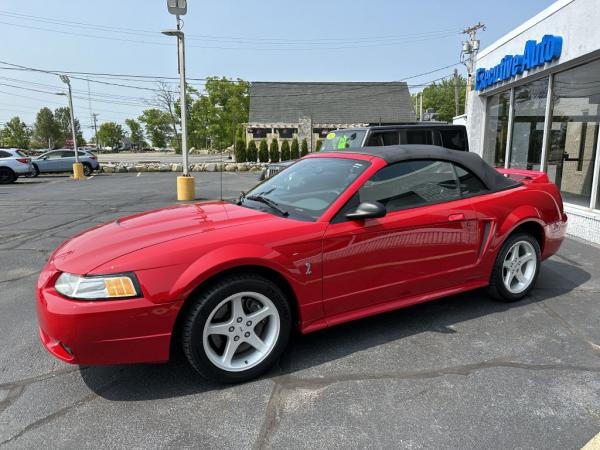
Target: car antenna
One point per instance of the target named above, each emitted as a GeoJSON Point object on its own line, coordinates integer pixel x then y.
{"type": "Point", "coordinates": [221, 175]}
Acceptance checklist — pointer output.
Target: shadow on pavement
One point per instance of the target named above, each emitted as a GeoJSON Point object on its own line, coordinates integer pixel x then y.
{"type": "Point", "coordinates": [177, 378]}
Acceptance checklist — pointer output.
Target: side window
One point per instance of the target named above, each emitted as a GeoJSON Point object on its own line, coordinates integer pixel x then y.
{"type": "Point", "coordinates": [383, 138]}
{"type": "Point", "coordinates": [4, 154]}
{"type": "Point", "coordinates": [453, 139]}
{"type": "Point", "coordinates": [469, 183]}
{"type": "Point", "coordinates": [416, 137]}
{"type": "Point", "coordinates": [410, 184]}
{"type": "Point", "coordinates": [55, 155]}
{"type": "Point", "coordinates": [68, 154]}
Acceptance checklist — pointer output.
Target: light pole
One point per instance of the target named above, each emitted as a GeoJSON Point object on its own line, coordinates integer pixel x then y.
{"type": "Point", "coordinates": [77, 166]}
{"type": "Point", "coordinates": [185, 183]}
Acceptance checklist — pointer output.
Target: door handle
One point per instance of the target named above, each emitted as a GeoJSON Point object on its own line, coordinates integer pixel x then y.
{"type": "Point", "coordinates": [456, 217]}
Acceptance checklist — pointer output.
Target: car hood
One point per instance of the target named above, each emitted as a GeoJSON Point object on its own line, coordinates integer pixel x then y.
{"type": "Point", "coordinates": [99, 245]}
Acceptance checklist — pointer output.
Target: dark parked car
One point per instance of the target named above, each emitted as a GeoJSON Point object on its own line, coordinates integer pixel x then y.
{"type": "Point", "coordinates": [453, 137]}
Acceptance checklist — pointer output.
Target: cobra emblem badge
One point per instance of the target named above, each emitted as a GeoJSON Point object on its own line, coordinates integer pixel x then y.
{"type": "Point", "coordinates": [308, 268]}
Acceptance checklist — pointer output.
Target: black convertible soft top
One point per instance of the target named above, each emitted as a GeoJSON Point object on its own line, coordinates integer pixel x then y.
{"type": "Point", "coordinates": [492, 179]}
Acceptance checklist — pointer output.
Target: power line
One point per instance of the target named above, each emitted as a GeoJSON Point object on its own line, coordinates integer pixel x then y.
{"type": "Point", "coordinates": [137, 41]}
{"type": "Point", "coordinates": [230, 39]}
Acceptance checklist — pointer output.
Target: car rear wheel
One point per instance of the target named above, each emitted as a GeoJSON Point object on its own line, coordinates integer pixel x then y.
{"type": "Point", "coordinates": [35, 172]}
{"type": "Point", "coordinates": [516, 269]}
{"type": "Point", "coordinates": [87, 169]}
{"type": "Point", "coordinates": [236, 328]}
{"type": "Point", "coordinates": [7, 175]}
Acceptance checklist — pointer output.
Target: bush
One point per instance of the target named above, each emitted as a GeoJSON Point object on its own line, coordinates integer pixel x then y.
{"type": "Point", "coordinates": [240, 151]}
{"type": "Point", "coordinates": [304, 147]}
{"type": "Point", "coordinates": [274, 151]}
{"type": "Point", "coordinates": [263, 151]}
{"type": "Point", "coordinates": [319, 145]}
{"type": "Point", "coordinates": [251, 152]}
{"type": "Point", "coordinates": [285, 151]}
{"type": "Point", "coordinates": [295, 152]}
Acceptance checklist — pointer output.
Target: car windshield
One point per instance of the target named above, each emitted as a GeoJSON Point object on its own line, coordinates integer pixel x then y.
{"type": "Point", "coordinates": [305, 189]}
{"type": "Point", "coordinates": [342, 139]}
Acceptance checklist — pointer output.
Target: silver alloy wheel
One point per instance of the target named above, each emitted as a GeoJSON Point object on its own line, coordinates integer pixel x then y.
{"type": "Point", "coordinates": [518, 269]}
{"type": "Point", "coordinates": [241, 331]}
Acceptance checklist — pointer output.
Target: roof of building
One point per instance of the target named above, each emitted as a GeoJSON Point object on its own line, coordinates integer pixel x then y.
{"type": "Point", "coordinates": [391, 154]}
{"type": "Point", "coordinates": [333, 102]}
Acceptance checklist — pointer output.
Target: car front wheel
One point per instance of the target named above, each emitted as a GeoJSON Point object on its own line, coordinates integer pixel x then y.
{"type": "Point", "coordinates": [7, 175]}
{"type": "Point", "coordinates": [237, 328]}
{"type": "Point", "coordinates": [516, 269]}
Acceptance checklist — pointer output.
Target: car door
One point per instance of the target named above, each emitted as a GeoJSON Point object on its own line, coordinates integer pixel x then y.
{"type": "Point", "coordinates": [427, 241]}
{"type": "Point", "coordinates": [67, 160]}
{"type": "Point", "coordinates": [50, 162]}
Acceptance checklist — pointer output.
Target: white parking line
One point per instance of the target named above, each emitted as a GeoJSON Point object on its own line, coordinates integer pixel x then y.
{"type": "Point", "coordinates": [594, 443]}
{"type": "Point", "coordinates": [139, 173]}
{"type": "Point", "coordinates": [90, 177]}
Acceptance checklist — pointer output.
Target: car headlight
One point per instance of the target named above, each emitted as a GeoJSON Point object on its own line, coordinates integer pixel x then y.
{"type": "Point", "coordinates": [97, 287]}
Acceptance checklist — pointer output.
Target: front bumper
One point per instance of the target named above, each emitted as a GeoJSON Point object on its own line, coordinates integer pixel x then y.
{"type": "Point", "coordinates": [103, 332]}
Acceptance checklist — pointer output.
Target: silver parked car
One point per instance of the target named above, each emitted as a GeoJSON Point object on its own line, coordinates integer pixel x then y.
{"type": "Point", "coordinates": [62, 160]}
{"type": "Point", "coordinates": [13, 164]}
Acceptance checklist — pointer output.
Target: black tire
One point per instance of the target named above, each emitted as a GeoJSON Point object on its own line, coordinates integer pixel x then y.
{"type": "Point", "coordinates": [87, 169]}
{"type": "Point", "coordinates": [35, 173]}
{"type": "Point", "coordinates": [203, 305]}
{"type": "Point", "coordinates": [497, 288]}
{"type": "Point", "coordinates": [7, 175]}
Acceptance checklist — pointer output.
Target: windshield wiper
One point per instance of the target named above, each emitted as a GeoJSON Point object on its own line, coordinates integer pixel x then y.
{"type": "Point", "coordinates": [267, 201]}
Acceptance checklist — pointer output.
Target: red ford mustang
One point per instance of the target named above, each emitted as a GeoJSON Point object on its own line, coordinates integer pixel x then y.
{"type": "Point", "coordinates": [335, 237]}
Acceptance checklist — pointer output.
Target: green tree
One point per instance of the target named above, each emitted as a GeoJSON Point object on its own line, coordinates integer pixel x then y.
{"type": "Point", "coordinates": [62, 116]}
{"type": "Point", "coordinates": [111, 134]}
{"type": "Point", "coordinates": [285, 151]}
{"type": "Point", "coordinates": [304, 148]}
{"type": "Point", "coordinates": [136, 134]}
{"type": "Point", "coordinates": [263, 152]}
{"type": "Point", "coordinates": [295, 151]}
{"type": "Point", "coordinates": [251, 152]}
{"type": "Point", "coordinates": [319, 145]}
{"type": "Point", "coordinates": [15, 134]}
{"type": "Point", "coordinates": [274, 151]}
{"type": "Point", "coordinates": [440, 97]}
{"type": "Point", "coordinates": [240, 151]}
{"type": "Point", "coordinates": [46, 131]}
{"type": "Point", "coordinates": [218, 111]}
{"type": "Point", "coordinates": [158, 126]}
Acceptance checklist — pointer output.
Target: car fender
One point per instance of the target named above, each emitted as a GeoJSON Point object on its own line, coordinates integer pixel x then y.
{"type": "Point", "coordinates": [230, 257]}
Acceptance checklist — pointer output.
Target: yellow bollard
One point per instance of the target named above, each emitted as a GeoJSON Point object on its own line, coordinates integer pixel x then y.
{"type": "Point", "coordinates": [186, 188]}
{"type": "Point", "coordinates": [78, 171]}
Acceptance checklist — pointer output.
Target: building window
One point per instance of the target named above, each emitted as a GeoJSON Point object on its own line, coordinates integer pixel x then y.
{"type": "Point", "coordinates": [496, 128]}
{"type": "Point", "coordinates": [574, 134]}
{"type": "Point", "coordinates": [528, 125]}
{"type": "Point", "coordinates": [259, 133]}
{"type": "Point", "coordinates": [286, 133]}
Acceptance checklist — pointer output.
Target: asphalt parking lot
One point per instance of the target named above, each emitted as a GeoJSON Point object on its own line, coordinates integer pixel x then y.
{"type": "Point", "coordinates": [461, 372]}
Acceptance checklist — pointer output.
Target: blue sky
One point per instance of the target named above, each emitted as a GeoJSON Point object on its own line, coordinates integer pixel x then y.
{"type": "Point", "coordinates": [376, 40]}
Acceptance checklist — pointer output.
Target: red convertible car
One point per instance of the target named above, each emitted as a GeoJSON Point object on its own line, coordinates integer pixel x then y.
{"type": "Point", "coordinates": [335, 237]}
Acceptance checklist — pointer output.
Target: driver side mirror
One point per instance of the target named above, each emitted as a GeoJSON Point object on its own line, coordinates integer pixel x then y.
{"type": "Point", "coordinates": [367, 210]}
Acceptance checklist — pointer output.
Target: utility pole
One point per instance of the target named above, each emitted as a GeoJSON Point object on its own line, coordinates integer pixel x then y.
{"type": "Point", "coordinates": [94, 118]}
{"type": "Point", "coordinates": [469, 53]}
{"type": "Point", "coordinates": [456, 94]}
{"type": "Point", "coordinates": [185, 183]}
{"type": "Point", "coordinates": [77, 166]}
{"type": "Point", "coordinates": [421, 106]}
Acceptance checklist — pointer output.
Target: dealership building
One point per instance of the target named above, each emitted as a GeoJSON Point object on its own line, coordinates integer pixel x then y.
{"type": "Point", "coordinates": [536, 105]}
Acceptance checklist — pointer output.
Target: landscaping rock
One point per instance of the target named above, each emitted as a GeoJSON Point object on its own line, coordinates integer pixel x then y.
{"type": "Point", "coordinates": [164, 168]}
{"type": "Point", "coordinates": [210, 167]}
{"type": "Point", "coordinates": [231, 168]}
{"type": "Point", "coordinates": [176, 167]}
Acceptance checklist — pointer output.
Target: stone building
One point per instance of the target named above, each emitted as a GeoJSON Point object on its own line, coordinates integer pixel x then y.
{"type": "Point", "coordinates": [309, 110]}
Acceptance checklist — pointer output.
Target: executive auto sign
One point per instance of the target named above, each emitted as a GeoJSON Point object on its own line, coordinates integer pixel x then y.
{"type": "Point", "coordinates": [535, 54]}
